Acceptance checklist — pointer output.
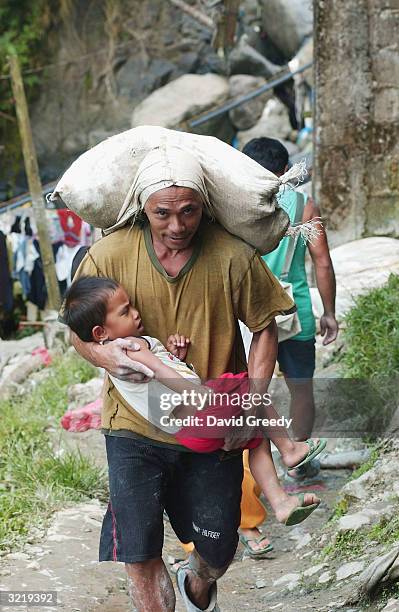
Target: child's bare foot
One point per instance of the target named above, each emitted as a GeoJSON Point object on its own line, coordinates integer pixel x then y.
{"type": "Point", "coordinates": [292, 502]}
{"type": "Point", "coordinates": [298, 451]}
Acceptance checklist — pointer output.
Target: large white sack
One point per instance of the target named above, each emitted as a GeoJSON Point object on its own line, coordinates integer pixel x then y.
{"type": "Point", "coordinates": [242, 193]}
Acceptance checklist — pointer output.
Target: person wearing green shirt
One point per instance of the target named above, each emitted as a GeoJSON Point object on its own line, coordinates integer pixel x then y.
{"type": "Point", "coordinates": [296, 356]}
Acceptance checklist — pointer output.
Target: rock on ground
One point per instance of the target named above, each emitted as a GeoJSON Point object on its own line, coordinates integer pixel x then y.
{"type": "Point", "coordinates": [244, 59]}
{"type": "Point", "coordinates": [349, 569]}
{"type": "Point", "coordinates": [245, 116]}
{"type": "Point", "coordinates": [182, 99]}
{"type": "Point", "coordinates": [287, 23]}
{"type": "Point", "coordinates": [273, 123]}
{"type": "Point", "coordinates": [83, 393]}
{"type": "Point", "coordinates": [11, 348]}
{"type": "Point", "coordinates": [362, 265]}
{"type": "Point", "coordinates": [16, 372]}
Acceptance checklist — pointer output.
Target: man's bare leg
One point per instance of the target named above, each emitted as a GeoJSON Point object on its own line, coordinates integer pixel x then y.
{"type": "Point", "coordinates": [302, 407]}
{"type": "Point", "coordinates": [200, 579]}
{"type": "Point", "coordinates": [150, 586]}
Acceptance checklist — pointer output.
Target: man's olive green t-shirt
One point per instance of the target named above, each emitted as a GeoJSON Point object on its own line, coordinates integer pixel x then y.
{"type": "Point", "coordinates": [224, 280]}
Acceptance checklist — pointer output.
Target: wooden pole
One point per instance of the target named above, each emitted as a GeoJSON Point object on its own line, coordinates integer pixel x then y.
{"type": "Point", "coordinates": [35, 186]}
{"type": "Point", "coordinates": [194, 13]}
{"type": "Point", "coordinates": [226, 27]}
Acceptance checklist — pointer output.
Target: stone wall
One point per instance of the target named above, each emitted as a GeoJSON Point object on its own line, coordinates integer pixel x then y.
{"type": "Point", "coordinates": [357, 116]}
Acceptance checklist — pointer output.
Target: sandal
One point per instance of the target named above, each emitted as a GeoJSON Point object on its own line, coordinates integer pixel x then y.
{"type": "Point", "coordinates": [301, 512]}
{"type": "Point", "coordinates": [255, 553]}
{"type": "Point", "coordinates": [314, 450]}
{"type": "Point", "coordinates": [174, 567]}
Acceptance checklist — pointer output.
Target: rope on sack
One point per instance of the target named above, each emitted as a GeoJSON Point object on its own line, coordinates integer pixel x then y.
{"type": "Point", "coordinates": [297, 173]}
{"type": "Point", "coordinates": [309, 231]}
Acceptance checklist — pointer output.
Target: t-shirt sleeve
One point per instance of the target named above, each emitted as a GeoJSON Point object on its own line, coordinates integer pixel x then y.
{"type": "Point", "coordinates": [259, 297]}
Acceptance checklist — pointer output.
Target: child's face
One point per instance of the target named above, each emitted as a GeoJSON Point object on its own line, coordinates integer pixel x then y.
{"type": "Point", "coordinates": [122, 319]}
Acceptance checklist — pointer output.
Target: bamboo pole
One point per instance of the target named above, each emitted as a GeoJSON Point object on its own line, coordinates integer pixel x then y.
{"type": "Point", "coordinates": [35, 186]}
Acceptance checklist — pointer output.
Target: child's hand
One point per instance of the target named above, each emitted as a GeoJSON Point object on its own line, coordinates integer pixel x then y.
{"type": "Point", "coordinates": [178, 346]}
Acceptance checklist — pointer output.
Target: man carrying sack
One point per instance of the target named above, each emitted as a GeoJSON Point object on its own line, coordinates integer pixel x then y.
{"type": "Point", "coordinates": [185, 274]}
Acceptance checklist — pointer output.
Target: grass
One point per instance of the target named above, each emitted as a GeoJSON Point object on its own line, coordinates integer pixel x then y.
{"type": "Point", "coordinates": [34, 482]}
{"type": "Point", "coordinates": [367, 465]}
{"type": "Point", "coordinates": [372, 334]}
{"type": "Point", "coordinates": [370, 362]}
{"type": "Point", "coordinates": [345, 545]}
{"type": "Point", "coordinates": [352, 543]}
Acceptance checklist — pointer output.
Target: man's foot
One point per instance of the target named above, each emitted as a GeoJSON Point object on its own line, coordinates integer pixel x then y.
{"type": "Point", "coordinates": [292, 503]}
{"type": "Point", "coordinates": [302, 453]}
{"type": "Point", "coordinates": [254, 542]}
{"type": "Point", "coordinates": [182, 574]}
{"type": "Point", "coordinates": [305, 472]}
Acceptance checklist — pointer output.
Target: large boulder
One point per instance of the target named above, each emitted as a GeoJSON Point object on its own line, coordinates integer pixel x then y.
{"type": "Point", "coordinates": [287, 23]}
{"type": "Point", "coordinates": [183, 99]}
{"type": "Point", "coordinates": [273, 123]}
{"type": "Point", "coordinates": [362, 265]}
{"type": "Point", "coordinates": [244, 59]}
{"type": "Point", "coordinates": [245, 116]}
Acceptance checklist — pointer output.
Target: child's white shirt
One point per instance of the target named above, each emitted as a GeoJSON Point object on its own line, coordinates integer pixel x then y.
{"type": "Point", "coordinates": [153, 400]}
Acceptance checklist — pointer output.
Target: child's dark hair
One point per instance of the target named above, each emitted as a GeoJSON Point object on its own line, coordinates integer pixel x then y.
{"type": "Point", "coordinates": [268, 152]}
{"type": "Point", "coordinates": [85, 304]}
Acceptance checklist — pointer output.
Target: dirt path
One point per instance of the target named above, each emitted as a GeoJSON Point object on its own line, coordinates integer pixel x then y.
{"type": "Point", "coordinates": [65, 559]}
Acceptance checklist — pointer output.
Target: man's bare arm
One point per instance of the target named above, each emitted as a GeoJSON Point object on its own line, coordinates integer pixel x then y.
{"type": "Point", "coordinates": [262, 358]}
{"type": "Point", "coordinates": [325, 277]}
{"type": "Point", "coordinates": [261, 362]}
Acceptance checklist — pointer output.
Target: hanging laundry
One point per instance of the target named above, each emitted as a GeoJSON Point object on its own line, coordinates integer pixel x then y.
{"type": "Point", "coordinates": [63, 262]}
{"type": "Point", "coordinates": [71, 225]}
{"type": "Point", "coordinates": [24, 256]}
{"type": "Point", "coordinates": [54, 224]}
{"type": "Point", "coordinates": [86, 238]}
{"type": "Point", "coordinates": [37, 292]}
{"type": "Point", "coordinates": [6, 297]}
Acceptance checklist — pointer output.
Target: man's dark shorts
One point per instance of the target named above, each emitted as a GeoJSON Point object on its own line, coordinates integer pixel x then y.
{"type": "Point", "coordinates": [297, 358]}
{"type": "Point", "coordinates": [200, 492]}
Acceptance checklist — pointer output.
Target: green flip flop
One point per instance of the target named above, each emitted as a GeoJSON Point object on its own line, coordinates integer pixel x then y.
{"type": "Point", "coordinates": [300, 513]}
{"type": "Point", "coordinates": [314, 450]}
{"type": "Point", "coordinates": [255, 553]}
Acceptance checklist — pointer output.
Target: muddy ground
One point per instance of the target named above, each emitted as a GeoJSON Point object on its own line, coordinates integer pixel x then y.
{"type": "Point", "coordinates": [64, 559]}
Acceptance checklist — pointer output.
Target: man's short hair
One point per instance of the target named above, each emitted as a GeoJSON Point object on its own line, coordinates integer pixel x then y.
{"type": "Point", "coordinates": [85, 304]}
{"type": "Point", "coordinates": [268, 152]}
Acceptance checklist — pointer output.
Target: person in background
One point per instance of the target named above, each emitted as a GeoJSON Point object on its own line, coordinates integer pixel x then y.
{"type": "Point", "coordinates": [296, 356]}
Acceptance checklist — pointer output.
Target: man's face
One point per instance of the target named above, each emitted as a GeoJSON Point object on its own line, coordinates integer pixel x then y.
{"type": "Point", "coordinates": [174, 214]}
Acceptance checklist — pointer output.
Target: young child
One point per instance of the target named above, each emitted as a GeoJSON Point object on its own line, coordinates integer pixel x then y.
{"type": "Point", "coordinates": [99, 310]}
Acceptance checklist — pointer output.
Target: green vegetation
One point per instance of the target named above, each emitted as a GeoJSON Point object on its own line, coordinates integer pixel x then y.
{"type": "Point", "coordinates": [367, 465]}
{"type": "Point", "coordinates": [346, 545]}
{"type": "Point", "coordinates": [366, 396]}
{"type": "Point", "coordinates": [386, 531]}
{"type": "Point", "coordinates": [34, 482]}
{"type": "Point", "coordinates": [24, 28]}
{"type": "Point", "coordinates": [372, 334]}
{"type": "Point", "coordinates": [340, 509]}
{"type": "Point", "coordinates": [352, 543]}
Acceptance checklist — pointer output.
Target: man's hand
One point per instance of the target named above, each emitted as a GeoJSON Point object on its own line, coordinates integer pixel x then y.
{"type": "Point", "coordinates": [113, 358]}
{"type": "Point", "coordinates": [328, 328]}
{"type": "Point", "coordinates": [178, 346]}
{"type": "Point", "coordinates": [119, 365]}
